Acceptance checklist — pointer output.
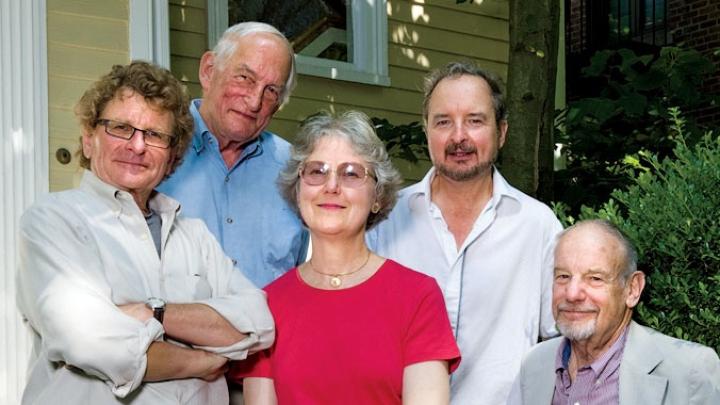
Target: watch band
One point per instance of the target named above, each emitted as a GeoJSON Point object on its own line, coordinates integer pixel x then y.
{"type": "Point", "coordinates": [159, 313]}
{"type": "Point", "coordinates": [157, 305]}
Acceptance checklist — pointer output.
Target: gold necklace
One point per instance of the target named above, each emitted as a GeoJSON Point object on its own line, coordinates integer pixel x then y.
{"type": "Point", "coordinates": [335, 278]}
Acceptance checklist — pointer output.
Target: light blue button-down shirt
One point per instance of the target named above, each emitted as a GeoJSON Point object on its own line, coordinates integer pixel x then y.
{"type": "Point", "coordinates": [241, 205]}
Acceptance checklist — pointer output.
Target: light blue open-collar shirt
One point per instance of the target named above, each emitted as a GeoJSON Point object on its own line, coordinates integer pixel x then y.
{"type": "Point", "coordinates": [241, 205]}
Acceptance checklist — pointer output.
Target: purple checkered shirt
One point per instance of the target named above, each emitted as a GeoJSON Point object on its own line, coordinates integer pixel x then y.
{"type": "Point", "coordinates": [596, 384]}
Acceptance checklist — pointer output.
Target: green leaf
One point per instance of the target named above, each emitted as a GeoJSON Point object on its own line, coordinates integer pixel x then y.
{"type": "Point", "coordinates": [633, 103]}
{"type": "Point", "coordinates": [600, 108]}
{"type": "Point", "coordinates": [598, 63]}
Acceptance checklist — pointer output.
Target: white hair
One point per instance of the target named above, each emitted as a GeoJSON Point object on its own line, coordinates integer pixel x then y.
{"type": "Point", "coordinates": [228, 43]}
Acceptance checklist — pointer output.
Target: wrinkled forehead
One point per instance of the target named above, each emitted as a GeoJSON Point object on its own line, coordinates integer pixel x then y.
{"type": "Point", "coordinates": [127, 96]}
{"type": "Point", "coordinates": [260, 51]}
{"type": "Point", "coordinates": [588, 248]}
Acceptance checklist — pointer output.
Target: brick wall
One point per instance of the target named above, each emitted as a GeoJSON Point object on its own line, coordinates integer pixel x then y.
{"type": "Point", "coordinates": [696, 24]}
{"type": "Point", "coordinates": [693, 23]}
{"type": "Point", "coordinates": [575, 24]}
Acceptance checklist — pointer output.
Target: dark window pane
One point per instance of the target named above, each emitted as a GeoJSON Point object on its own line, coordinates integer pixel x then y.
{"type": "Point", "coordinates": [314, 27]}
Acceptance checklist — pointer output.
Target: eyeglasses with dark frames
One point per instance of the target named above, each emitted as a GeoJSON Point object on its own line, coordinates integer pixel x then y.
{"type": "Point", "coordinates": [350, 174]}
{"type": "Point", "coordinates": [126, 131]}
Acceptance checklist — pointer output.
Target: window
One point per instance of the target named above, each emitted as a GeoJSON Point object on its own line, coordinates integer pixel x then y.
{"type": "Point", "coordinates": [150, 31]}
{"type": "Point", "coordinates": [591, 25]}
{"type": "Point", "coordinates": [636, 24]}
{"type": "Point", "coordinates": [638, 21]}
{"type": "Point", "coordinates": [337, 39]}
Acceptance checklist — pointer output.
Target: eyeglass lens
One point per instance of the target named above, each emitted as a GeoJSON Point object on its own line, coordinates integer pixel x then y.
{"type": "Point", "coordinates": [126, 131]}
{"type": "Point", "coordinates": [349, 174]}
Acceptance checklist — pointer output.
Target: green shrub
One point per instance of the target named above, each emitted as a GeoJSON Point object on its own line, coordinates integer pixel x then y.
{"type": "Point", "coordinates": [624, 109]}
{"type": "Point", "coordinates": [405, 141]}
{"type": "Point", "coordinates": [671, 211]}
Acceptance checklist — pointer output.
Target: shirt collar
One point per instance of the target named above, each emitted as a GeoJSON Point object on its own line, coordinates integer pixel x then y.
{"type": "Point", "coordinates": [122, 201]}
{"type": "Point", "coordinates": [201, 134]}
{"type": "Point", "coordinates": [501, 188]}
{"type": "Point", "coordinates": [562, 358]}
{"type": "Point", "coordinates": [200, 128]}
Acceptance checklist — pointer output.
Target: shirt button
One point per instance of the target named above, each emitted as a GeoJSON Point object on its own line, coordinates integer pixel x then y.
{"type": "Point", "coordinates": [229, 220]}
{"type": "Point", "coordinates": [227, 179]}
{"type": "Point", "coordinates": [234, 262]}
{"type": "Point", "coordinates": [576, 403]}
{"type": "Point", "coordinates": [143, 236]}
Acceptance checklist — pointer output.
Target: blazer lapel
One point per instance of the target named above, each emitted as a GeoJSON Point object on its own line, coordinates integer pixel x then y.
{"type": "Point", "coordinates": [540, 389]}
{"type": "Point", "coordinates": [640, 358]}
{"type": "Point", "coordinates": [539, 385]}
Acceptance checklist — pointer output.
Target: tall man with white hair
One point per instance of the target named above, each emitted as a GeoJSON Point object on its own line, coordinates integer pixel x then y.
{"type": "Point", "coordinates": [228, 174]}
{"type": "Point", "coordinates": [603, 356]}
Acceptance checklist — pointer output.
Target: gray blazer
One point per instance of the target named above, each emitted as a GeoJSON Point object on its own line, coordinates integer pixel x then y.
{"type": "Point", "coordinates": [655, 370]}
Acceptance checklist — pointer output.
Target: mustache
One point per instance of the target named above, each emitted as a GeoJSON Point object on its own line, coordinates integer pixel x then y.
{"type": "Point", "coordinates": [577, 308]}
{"type": "Point", "coordinates": [463, 147]}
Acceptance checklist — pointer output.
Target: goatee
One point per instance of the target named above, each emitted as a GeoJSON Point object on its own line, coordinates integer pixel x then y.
{"type": "Point", "coordinates": [464, 173]}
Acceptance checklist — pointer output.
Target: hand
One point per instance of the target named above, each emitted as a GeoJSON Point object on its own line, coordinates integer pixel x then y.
{"type": "Point", "coordinates": [138, 310]}
{"type": "Point", "coordinates": [215, 367]}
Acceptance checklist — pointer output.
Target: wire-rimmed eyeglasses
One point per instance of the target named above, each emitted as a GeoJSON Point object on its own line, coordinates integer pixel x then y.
{"type": "Point", "coordinates": [350, 174]}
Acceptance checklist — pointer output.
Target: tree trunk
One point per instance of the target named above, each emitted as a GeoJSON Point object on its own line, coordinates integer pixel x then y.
{"type": "Point", "coordinates": [527, 158]}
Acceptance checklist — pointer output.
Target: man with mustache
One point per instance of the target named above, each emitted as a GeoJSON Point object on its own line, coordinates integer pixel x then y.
{"type": "Point", "coordinates": [604, 356]}
{"type": "Point", "coordinates": [488, 245]}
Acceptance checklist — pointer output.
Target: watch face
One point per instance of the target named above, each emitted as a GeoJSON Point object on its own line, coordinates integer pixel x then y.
{"type": "Point", "coordinates": [155, 303]}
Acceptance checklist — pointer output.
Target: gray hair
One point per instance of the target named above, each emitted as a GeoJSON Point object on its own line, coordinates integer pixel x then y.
{"type": "Point", "coordinates": [460, 68]}
{"type": "Point", "coordinates": [355, 128]}
{"type": "Point", "coordinates": [228, 43]}
{"type": "Point", "coordinates": [629, 259]}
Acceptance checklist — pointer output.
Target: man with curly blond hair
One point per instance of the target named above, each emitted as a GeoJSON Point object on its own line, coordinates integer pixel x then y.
{"type": "Point", "coordinates": [127, 301]}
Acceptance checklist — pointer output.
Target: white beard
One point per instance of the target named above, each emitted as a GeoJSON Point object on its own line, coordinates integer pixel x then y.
{"type": "Point", "coordinates": [576, 331]}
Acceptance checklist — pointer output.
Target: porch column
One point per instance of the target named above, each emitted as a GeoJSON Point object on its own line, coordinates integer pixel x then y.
{"type": "Point", "coordinates": [24, 174]}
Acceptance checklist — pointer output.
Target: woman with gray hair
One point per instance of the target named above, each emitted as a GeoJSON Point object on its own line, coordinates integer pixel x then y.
{"type": "Point", "coordinates": [352, 327]}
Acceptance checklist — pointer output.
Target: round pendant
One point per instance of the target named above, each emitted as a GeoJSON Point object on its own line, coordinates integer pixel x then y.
{"type": "Point", "coordinates": [335, 281]}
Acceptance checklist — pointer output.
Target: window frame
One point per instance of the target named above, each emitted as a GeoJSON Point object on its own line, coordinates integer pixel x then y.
{"type": "Point", "coordinates": [149, 31]}
{"type": "Point", "coordinates": [370, 54]}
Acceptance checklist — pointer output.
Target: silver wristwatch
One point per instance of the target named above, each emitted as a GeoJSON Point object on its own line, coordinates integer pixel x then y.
{"type": "Point", "coordinates": [157, 305]}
